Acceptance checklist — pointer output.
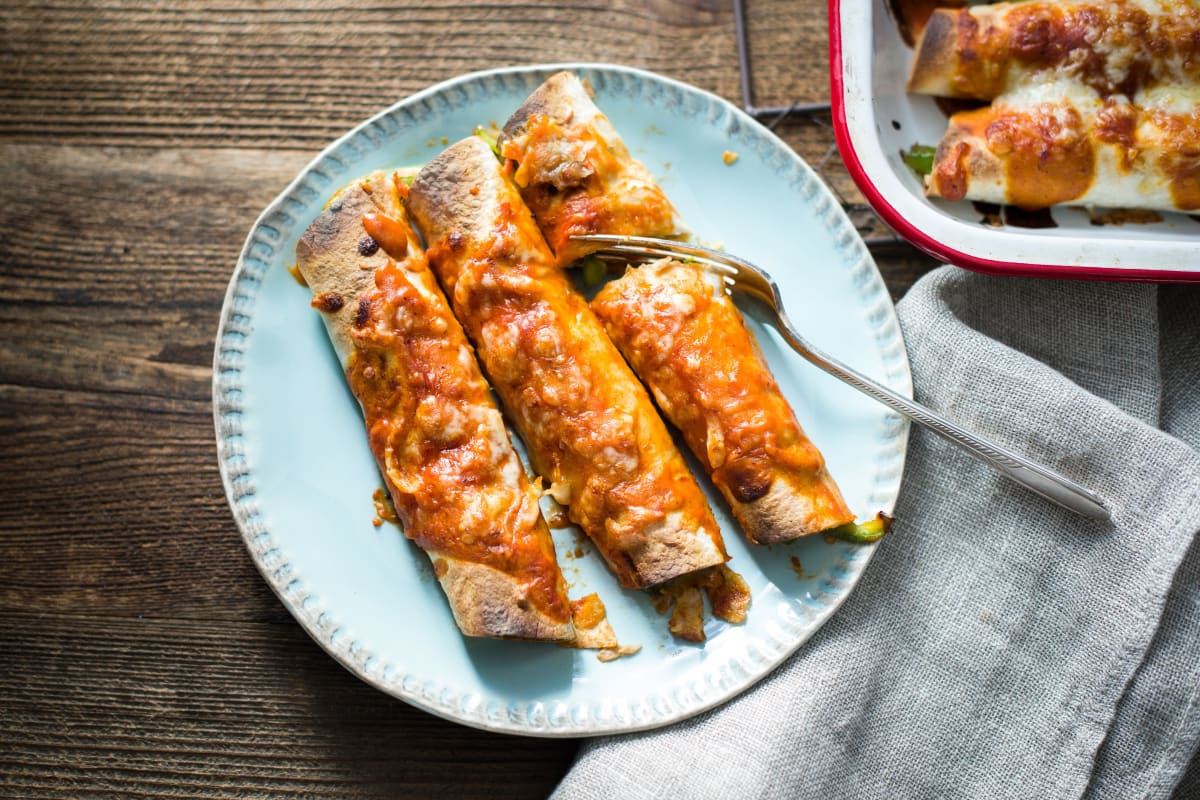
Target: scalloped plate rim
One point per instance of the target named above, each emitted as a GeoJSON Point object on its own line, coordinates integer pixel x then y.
{"type": "Point", "coordinates": [319, 626]}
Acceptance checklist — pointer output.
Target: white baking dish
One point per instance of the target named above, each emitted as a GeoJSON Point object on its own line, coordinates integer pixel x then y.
{"type": "Point", "coordinates": [875, 119]}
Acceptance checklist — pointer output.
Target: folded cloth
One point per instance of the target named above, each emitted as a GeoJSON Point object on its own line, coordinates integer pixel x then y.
{"type": "Point", "coordinates": [997, 646]}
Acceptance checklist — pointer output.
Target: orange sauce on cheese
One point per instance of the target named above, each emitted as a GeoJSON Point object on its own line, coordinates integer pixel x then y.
{"type": "Point", "coordinates": [591, 430]}
{"type": "Point", "coordinates": [1181, 156]}
{"type": "Point", "coordinates": [571, 179]}
{"type": "Point", "coordinates": [425, 406]}
{"type": "Point", "coordinates": [694, 351]}
{"type": "Point", "coordinates": [950, 172]}
{"type": "Point", "coordinates": [1115, 47]}
{"type": "Point", "coordinates": [1048, 157]}
{"type": "Point", "coordinates": [1116, 124]}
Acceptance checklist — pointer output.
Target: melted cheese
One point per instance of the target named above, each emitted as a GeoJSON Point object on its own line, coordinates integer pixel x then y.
{"type": "Point", "coordinates": [591, 430]}
{"type": "Point", "coordinates": [456, 483]}
{"type": "Point", "coordinates": [1181, 100]}
{"type": "Point", "coordinates": [686, 340]}
{"type": "Point", "coordinates": [1050, 87]}
{"type": "Point", "coordinates": [577, 177]}
{"type": "Point", "coordinates": [1117, 46]}
{"type": "Point", "coordinates": [1099, 105]}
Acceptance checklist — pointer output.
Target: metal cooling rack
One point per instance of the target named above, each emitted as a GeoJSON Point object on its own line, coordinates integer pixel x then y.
{"type": "Point", "coordinates": [876, 234]}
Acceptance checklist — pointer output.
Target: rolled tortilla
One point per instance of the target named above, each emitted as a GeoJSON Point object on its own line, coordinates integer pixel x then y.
{"type": "Point", "coordinates": [590, 428]}
{"type": "Point", "coordinates": [1079, 151]}
{"type": "Point", "coordinates": [1112, 47]}
{"type": "Point", "coordinates": [439, 440]}
{"type": "Point", "coordinates": [684, 337]}
{"type": "Point", "coordinates": [575, 172]}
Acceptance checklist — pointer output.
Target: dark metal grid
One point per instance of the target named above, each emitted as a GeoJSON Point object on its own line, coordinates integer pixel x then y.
{"type": "Point", "coordinates": [861, 214]}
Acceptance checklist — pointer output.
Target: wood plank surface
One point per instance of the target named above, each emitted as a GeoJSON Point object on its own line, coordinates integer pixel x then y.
{"type": "Point", "coordinates": [115, 266]}
{"type": "Point", "coordinates": [142, 707]}
{"type": "Point", "coordinates": [141, 655]}
{"type": "Point", "coordinates": [299, 74]}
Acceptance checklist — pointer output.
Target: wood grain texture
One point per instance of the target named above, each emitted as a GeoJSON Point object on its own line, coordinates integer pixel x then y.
{"type": "Point", "coordinates": [115, 263]}
{"type": "Point", "coordinates": [297, 75]}
{"type": "Point", "coordinates": [153, 707]}
{"type": "Point", "coordinates": [140, 653]}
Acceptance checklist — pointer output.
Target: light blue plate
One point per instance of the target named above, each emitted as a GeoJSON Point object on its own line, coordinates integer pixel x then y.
{"type": "Point", "coordinates": [299, 475]}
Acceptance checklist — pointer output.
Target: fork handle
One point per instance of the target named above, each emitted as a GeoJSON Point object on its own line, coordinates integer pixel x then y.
{"type": "Point", "coordinates": [1043, 480]}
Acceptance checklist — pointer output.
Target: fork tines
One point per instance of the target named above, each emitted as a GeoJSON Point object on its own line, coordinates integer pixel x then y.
{"type": "Point", "coordinates": [645, 248]}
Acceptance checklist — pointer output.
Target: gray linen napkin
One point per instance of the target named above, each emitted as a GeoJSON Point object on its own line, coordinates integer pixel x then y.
{"type": "Point", "coordinates": [996, 646]}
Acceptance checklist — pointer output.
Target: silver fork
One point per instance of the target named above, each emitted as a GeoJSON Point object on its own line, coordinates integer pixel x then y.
{"type": "Point", "coordinates": [744, 277]}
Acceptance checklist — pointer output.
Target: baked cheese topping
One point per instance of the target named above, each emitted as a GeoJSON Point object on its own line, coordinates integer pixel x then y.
{"type": "Point", "coordinates": [687, 341]}
{"type": "Point", "coordinates": [1103, 152]}
{"type": "Point", "coordinates": [1115, 47]}
{"type": "Point", "coordinates": [591, 430]}
{"type": "Point", "coordinates": [1047, 154]}
{"type": "Point", "coordinates": [1176, 138]}
{"type": "Point", "coordinates": [441, 444]}
{"type": "Point", "coordinates": [577, 177]}
{"type": "Point", "coordinates": [1094, 103]}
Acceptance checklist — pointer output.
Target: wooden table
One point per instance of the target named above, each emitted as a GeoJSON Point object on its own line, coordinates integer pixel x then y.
{"type": "Point", "coordinates": [140, 652]}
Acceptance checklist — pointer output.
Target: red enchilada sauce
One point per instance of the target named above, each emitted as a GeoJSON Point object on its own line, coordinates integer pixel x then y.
{"type": "Point", "coordinates": [950, 173]}
{"type": "Point", "coordinates": [1048, 159]}
{"type": "Point", "coordinates": [390, 234]}
{"type": "Point", "coordinates": [1181, 156]}
{"type": "Point", "coordinates": [422, 403]}
{"type": "Point", "coordinates": [1046, 155]}
{"type": "Point", "coordinates": [1116, 124]}
{"type": "Point", "coordinates": [1112, 47]}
